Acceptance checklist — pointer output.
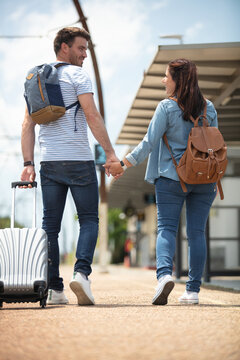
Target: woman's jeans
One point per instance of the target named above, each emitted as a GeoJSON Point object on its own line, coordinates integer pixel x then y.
{"type": "Point", "coordinates": [170, 198]}
{"type": "Point", "coordinates": [80, 177]}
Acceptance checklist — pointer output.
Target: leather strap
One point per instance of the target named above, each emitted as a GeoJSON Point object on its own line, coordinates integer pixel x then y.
{"type": "Point", "coordinates": [219, 185]}
{"type": "Point", "coordinates": [169, 149]}
{"type": "Point", "coordinates": [195, 121]}
{"type": "Point", "coordinates": [174, 161]}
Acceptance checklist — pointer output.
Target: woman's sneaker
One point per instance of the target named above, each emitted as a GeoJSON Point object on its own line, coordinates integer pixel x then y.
{"type": "Point", "coordinates": [163, 289]}
{"type": "Point", "coordinates": [56, 297]}
{"type": "Point", "coordinates": [80, 285]}
{"type": "Point", "coordinates": [189, 297]}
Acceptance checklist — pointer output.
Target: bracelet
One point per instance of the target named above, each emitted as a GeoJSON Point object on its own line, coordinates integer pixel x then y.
{"type": "Point", "coordinates": [26, 163]}
{"type": "Point", "coordinates": [124, 166]}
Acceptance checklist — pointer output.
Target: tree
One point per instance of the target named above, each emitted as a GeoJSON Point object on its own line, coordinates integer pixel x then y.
{"type": "Point", "coordinates": [5, 223]}
{"type": "Point", "coordinates": [117, 228]}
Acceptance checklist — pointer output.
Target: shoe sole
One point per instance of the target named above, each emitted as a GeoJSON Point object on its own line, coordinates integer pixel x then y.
{"type": "Point", "coordinates": [162, 298]}
{"type": "Point", "coordinates": [189, 302]}
{"type": "Point", "coordinates": [57, 303]}
{"type": "Point", "coordinates": [83, 299]}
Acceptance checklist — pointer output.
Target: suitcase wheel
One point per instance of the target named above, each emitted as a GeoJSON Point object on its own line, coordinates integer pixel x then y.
{"type": "Point", "coordinates": [43, 303]}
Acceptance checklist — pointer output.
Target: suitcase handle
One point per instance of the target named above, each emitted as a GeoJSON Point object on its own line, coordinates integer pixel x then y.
{"type": "Point", "coordinates": [23, 183]}
{"type": "Point", "coordinates": [14, 186]}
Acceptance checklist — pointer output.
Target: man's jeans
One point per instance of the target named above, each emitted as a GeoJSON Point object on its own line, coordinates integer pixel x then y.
{"type": "Point", "coordinates": [80, 177]}
{"type": "Point", "coordinates": [170, 198]}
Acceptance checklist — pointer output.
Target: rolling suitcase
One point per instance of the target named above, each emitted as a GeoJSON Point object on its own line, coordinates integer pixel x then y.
{"type": "Point", "coordinates": [23, 259]}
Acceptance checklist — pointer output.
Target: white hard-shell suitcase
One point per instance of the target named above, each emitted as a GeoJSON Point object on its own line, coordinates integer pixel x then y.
{"type": "Point", "coordinates": [23, 259]}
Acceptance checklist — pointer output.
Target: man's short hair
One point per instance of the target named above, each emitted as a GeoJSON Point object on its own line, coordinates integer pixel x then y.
{"type": "Point", "coordinates": [67, 35]}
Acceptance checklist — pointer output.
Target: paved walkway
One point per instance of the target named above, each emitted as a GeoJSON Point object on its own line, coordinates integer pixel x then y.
{"type": "Point", "coordinates": [123, 324]}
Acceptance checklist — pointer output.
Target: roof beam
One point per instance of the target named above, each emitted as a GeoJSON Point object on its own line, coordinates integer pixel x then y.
{"type": "Point", "coordinates": [228, 91]}
{"type": "Point", "coordinates": [139, 117]}
{"type": "Point", "coordinates": [124, 141]}
{"type": "Point", "coordinates": [212, 78]}
{"type": "Point", "coordinates": [228, 111]}
{"type": "Point", "coordinates": [232, 110]}
{"type": "Point", "coordinates": [214, 92]}
{"type": "Point", "coordinates": [236, 92]}
{"type": "Point", "coordinates": [132, 135]}
{"type": "Point", "coordinates": [210, 63]}
{"type": "Point", "coordinates": [134, 129]}
{"type": "Point", "coordinates": [143, 108]}
{"type": "Point", "coordinates": [136, 121]}
{"type": "Point", "coordinates": [222, 123]}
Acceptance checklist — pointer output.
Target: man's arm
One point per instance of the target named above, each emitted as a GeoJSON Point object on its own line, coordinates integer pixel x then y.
{"type": "Point", "coordinates": [96, 124]}
{"type": "Point", "coordinates": [28, 142]}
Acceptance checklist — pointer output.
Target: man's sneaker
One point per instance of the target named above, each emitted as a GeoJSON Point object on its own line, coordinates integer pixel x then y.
{"type": "Point", "coordinates": [189, 297]}
{"type": "Point", "coordinates": [56, 297]}
{"type": "Point", "coordinates": [80, 285]}
{"type": "Point", "coordinates": [163, 289]}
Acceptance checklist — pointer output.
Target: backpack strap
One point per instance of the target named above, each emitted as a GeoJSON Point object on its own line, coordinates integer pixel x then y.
{"type": "Point", "coordinates": [76, 103]}
{"type": "Point", "coordinates": [174, 161]}
{"type": "Point", "coordinates": [57, 65]}
{"type": "Point", "coordinates": [219, 186]}
{"type": "Point", "coordinates": [195, 121]}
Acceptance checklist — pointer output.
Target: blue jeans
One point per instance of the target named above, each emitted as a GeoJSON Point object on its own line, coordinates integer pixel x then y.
{"type": "Point", "coordinates": [80, 177]}
{"type": "Point", "coordinates": [170, 198]}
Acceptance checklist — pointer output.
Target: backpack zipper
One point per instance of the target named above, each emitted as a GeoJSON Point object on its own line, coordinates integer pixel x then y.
{"type": "Point", "coordinates": [40, 87]}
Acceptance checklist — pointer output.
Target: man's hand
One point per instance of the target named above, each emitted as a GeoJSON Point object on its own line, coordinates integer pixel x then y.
{"type": "Point", "coordinates": [28, 174]}
{"type": "Point", "coordinates": [114, 168]}
{"type": "Point", "coordinates": [110, 159]}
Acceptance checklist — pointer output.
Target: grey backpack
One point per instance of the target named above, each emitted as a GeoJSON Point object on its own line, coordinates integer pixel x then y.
{"type": "Point", "coordinates": [43, 94]}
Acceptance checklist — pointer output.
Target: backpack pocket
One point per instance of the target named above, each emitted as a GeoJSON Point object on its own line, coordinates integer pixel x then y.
{"type": "Point", "coordinates": [54, 94]}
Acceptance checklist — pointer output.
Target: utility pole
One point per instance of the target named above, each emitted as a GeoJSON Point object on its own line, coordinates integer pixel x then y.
{"type": "Point", "coordinates": [103, 209]}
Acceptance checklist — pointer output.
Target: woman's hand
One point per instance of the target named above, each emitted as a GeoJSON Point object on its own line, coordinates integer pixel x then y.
{"type": "Point", "coordinates": [114, 168]}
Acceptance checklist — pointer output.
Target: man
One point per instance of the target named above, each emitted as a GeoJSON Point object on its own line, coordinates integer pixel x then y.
{"type": "Point", "coordinates": [67, 163]}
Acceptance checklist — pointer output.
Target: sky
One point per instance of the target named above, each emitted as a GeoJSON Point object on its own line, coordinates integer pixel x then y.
{"type": "Point", "coordinates": [126, 34]}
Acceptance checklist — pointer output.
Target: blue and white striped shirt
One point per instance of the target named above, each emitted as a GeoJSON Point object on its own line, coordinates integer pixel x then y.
{"type": "Point", "coordinates": [58, 141]}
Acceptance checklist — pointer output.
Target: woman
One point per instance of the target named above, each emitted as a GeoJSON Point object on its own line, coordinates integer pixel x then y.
{"type": "Point", "coordinates": [180, 82]}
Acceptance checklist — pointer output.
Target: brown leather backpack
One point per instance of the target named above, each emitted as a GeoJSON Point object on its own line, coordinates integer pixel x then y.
{"type": "Point", "coordinates": [205, 158]}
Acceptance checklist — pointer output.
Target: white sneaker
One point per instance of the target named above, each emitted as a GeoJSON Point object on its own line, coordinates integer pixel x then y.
{"type": "Point", "coordinates": [81, 287]}
{"type": "Point", "coordinates": [56, 297]}
{"type": "Point", "coordinates": [189, 297]}
{"type": "Point", "coordinates": [163, 289]}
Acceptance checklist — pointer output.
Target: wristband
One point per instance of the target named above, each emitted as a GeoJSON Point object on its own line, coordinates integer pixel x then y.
{"type": "Point", "coordinates": [123, 165]}
{"type": "Point", "coordinates": [26, 163]}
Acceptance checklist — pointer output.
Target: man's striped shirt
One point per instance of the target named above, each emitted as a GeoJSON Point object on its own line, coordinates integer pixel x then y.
{"type": "Point", "coordinates": [58, 140]}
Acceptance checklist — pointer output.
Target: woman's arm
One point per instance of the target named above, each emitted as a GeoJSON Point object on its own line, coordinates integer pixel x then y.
{"type": "Point", "coordinates": [156, 129]}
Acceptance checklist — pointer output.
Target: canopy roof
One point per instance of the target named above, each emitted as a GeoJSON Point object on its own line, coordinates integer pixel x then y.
{"type": "Point", "coordinates": [219, 80]}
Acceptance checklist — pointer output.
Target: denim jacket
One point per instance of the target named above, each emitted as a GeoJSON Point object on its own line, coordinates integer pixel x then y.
{"type": "Point", "coordinates": [166, 119]}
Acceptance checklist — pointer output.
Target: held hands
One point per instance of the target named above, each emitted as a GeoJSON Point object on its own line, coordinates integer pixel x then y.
{"type": "Point", "coordinates": [116, 168]}
{"type": "Point", "coordinates": [113, 168]}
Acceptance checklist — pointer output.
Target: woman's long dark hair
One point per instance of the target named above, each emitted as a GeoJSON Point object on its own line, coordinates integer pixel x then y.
{"type": "Point", "coordinates": [184, 74]}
